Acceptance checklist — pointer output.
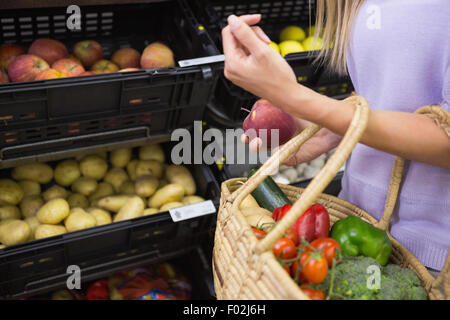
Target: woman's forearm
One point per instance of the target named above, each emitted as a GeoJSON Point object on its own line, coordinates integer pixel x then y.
{"type": "Point", "coordinates": [411, 136]}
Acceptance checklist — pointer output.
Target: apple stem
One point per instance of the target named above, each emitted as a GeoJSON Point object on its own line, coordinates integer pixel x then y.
{"type": "Point", "coordinates": [246, 110]}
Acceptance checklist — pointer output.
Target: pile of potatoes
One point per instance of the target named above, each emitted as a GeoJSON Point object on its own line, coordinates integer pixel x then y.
{"type": "Point", "coordinates": [90, 191]}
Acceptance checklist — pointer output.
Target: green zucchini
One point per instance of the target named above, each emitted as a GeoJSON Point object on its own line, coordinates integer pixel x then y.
{"type": "Point", "coordinates": [268, 194]}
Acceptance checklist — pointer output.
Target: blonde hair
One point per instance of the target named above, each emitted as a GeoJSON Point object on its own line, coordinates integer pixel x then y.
{"type": "Point", "coordinates": [334, 20]}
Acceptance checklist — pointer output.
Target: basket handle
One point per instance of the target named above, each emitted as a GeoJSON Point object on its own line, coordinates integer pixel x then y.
{"type": "Point", "coordinates": [320, 181]}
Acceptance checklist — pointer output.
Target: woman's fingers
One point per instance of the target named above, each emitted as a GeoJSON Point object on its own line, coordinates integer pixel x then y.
{"type": "Point", "coordinates": [231, 47]}
{"type": "Point", "coordinates": [245, 35]}
{"type": "Point", "coordinates": [260, 33]}
{"type": "Point", "coordinates": [251, 19]}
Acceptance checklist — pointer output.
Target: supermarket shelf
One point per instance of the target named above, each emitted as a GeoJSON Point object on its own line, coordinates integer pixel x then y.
{"type": "Point", "coordinates": [22, 4]}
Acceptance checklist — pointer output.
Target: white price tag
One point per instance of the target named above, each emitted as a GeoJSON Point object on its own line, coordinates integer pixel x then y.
{"type": "Point", "coordinates": [192, 211]}
{"type": "Point", "coordinates": [202, 60]}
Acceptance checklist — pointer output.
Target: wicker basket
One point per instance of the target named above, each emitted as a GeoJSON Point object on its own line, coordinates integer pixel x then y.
{"type": "Point", "coordinates": [245, 267]}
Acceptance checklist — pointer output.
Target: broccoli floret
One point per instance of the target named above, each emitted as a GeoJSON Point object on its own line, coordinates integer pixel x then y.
{"type": "Point", "coordinates": [351, 276]}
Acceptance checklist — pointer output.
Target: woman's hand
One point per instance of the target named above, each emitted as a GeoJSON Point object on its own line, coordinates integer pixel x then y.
{"type": "Point", "coordinates": [323, 141]}
{"type": "Point", "coordinates": [251, 64]}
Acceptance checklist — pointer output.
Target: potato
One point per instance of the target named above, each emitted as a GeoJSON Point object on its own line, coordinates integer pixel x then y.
{"type": "Point", "coordinates": [79, 219]}
{"type": "Point", "coordinates": [54, 192]}
{"type": "Point", "coordinates": [33, 223]}
{"type": "Point", "coordinates": [170, 205]}
{"type": "Point", "coordinates": [93, 166]}
{"type": "Point", "coordinates": [10, 192]}
{"type": "Point", "coordinates": [67, 172]}
{"type": "Point", "coordinates": [133, 208]}
{"type": "Point", "coordinates": [30, 205]}
{"type": "Point", "coordinates": [85, 185]}
{"type": "Point", "coordinates": [150, 211]}
{"type": "Point", "coordinates": [192, 199]}
{"type": "Point", "coordinates": [169, 193]}
{"type": "Point", "coordinates": [149, 167]}
{"type": "Point", "coordinates": [38, 172]}
{"type": "Point", "coordinates": [249, 202]}
{"type": "Point", "coordinates": [14, 231]}
{"type": "Point", "coordinates": [116, 176]}
{"type": "Point", "coordinates": [9, 212]}
{"type": "Point", "coordinates": [104, 189]}
{"type": "Point", "coordinates": [101, 216]}
{"type": "Point", "coordinates": [131, 169]}
{"type": "Point", "coordinates": [260, 221]}
{"type": "Point", "coordinates": [255, 210]}
{"type": "Point", "coordinates": [152, 152]}
{"type": "Point", "coordinates": [53, 212]}
{"type": "Point", "coordinates": [48, 230]}
{"type": "Point", "coordinates": [30, 188]}
{"type": "Point", "coordinates": [77, 200]}
{"type": "Point", "coordinates": [127, 187]}
{"type": "Point", "coordinates": [182, 176]}
{"type": "Point", "coordinates": [146, 185]}
{"type": "Point", "coordinates": [119, 158]}
{"type": "Point", "coordinates": [113, 203]}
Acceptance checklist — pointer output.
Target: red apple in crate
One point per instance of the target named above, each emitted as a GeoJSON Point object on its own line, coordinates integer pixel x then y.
{"type": "Point", "coordinates": [48, 49]}
{"type": "Point", "coordinates": [129, 69]}
{"type": "Point", "coordinates": [88, 51]}
{"type": "Point", "coordinates": [26, 67]}
{"type": "Point", "coordinates": [264, 115]}
{"type": "Point", "coordinates": [68, 67]}
{"type": "Point", "coordinates": [8, 52]}
{"type": "Point", "coordinates": [3, 76]}
{"type": "Point", "coordinates": [104, 66]}
{"type": "Point", "coordinates": [157, 55]}
{"type": "Point", "coordinates": [87, 73]}
{"type": "Point", "coordinates": [126, 58]}
{"type": "Point", "coordinates": [50, 74]}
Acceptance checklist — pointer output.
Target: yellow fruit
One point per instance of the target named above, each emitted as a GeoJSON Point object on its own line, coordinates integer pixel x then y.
{"type": "Point", "coordinates": [274, 46]}
{"type": "Point", "coordinates": [290, 46]}
{"type": "Point", "coordinates": [311, 44]}
{"type": "Point", "coordinates": [292, 33]}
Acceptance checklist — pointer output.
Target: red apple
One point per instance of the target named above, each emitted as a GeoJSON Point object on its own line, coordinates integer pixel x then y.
{"type": "Point", "coordinates": [50, 74]}
{"type": "Point", "coordinates": [266, 116]}
{"type": "Point", "coordinates": [128, 69]}
{"type": "Point", "coordinates": [157, 55]}
{"type": "Point", "coordinates": [48, 49]}
{"type": "Point", "coordinates": [126, 58]}
{"type": "Point", "coordinates": [26, 67]}
{"type": "Point", "coordinates": [3, 76]}
{"type": "Point", "coordinates": [87, 73]}
{"type": "Point", "coordinates": [104, 66]}
{"type": "Point", "coordinates": [8, 52]}
{"type": "Point", "coordinates": [68, 67]}
{"type": "Point", "coordinates": [75, 59]}
{"type": "Point", "coordinates": [88, 51]}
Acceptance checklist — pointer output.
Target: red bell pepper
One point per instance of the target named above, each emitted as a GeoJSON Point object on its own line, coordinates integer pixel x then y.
{"type": "Point", "coordinates": [313, 224]}
{"type": "Point", "coordinates": [98, 291]}
{"type": "Point", "coordinates": [280, 212]}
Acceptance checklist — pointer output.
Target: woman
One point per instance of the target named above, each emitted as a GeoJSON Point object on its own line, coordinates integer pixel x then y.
{"type": "Point", "coordinates": [397, 54]}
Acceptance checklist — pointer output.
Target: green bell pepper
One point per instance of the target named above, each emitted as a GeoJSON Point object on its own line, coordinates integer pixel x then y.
{"type": "Point", "coordinates": [357, 237]}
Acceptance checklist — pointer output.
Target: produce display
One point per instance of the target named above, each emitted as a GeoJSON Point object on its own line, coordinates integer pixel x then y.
{"type": "Point", "coordinates": [163, 281]}
{"type": "Point", "coordinates": [294, 39]}
{"type": "Point", "coordinates": [40, 200]}
{"type": "Point", "coordinates": [330, 263]}
{"type": "Point", "coordinates": [51, 59]}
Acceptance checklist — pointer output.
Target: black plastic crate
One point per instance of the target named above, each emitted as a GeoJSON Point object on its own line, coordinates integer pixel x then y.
{"type": "Point", "coordinates": [76, 109]}
{"type": "Point", "coordinates": [228, 99]}
{"type": "Point", "coordinates": [40, 265]}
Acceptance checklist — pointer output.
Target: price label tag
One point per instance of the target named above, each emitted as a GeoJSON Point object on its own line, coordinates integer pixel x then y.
{"type": "Point", "coordinates": [192, 211]}
{"type": "Point", "coordinates": [202, 60]}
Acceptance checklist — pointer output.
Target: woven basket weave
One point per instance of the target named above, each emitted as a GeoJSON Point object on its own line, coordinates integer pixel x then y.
{"type": "Point", "coordinates": [245, 267]}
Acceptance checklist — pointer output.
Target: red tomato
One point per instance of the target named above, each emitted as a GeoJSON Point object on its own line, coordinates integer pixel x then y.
{"type": "Point", "coordinates": [99, 290]}
{"type": "Point", "coordinates": [314, 266]}
{"type": "Point", "coordinates": [297, 273]}
{"type": "Point", "coordinates": [285, 249]}
{"type": "Point", "coordinates": [328, 246]}
{"type": "Point", "coordinates": [280, 212]}
{"type": "Point", "coordinates": [259, 233]}
{"type": "Point", "coordinates": [314, 294]}
{"type": "Point", "coordinates": [291, 234]}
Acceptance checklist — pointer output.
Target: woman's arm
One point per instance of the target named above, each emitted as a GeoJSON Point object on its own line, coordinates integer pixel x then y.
{"type": "Point", "coordinates": [256, 67]}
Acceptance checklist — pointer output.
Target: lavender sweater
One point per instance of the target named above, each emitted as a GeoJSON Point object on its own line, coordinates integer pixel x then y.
{"type": "Point", "coordinates": [399, 59]}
